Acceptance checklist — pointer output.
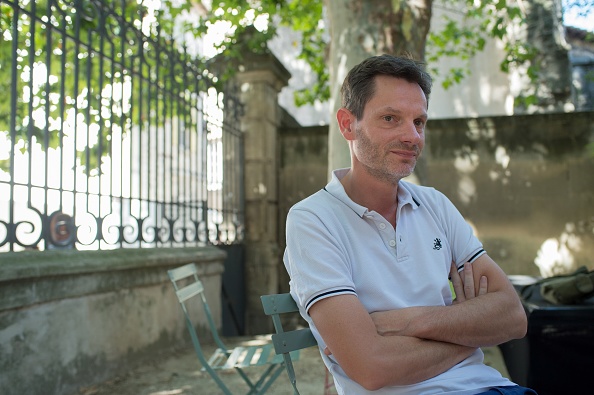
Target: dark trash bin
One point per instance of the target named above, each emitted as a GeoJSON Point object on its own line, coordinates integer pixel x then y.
{"type": "Point", "coordinates": [557, 354]}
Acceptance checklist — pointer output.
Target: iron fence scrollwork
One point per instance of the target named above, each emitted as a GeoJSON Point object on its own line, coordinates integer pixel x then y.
{"type": "Point", "coordinates": [112, 136]}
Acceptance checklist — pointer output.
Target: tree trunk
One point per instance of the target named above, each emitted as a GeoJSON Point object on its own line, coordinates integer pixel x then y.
{"type": "Point", "coordinates": [544, 32]}
{"type": "Point", "coordinates": [362, 28]}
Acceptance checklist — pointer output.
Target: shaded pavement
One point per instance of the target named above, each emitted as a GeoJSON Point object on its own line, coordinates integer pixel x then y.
{"type": "Point", "coordinates": [179, 374]}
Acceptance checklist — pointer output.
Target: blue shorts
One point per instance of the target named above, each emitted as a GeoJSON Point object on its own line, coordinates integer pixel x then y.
{"type": "Point", "coordinates": [510, 390]}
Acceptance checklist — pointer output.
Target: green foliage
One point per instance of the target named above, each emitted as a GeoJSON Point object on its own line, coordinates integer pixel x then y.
{"type": "Point", "coordinates": [303, 16]}
{"type": "Point", "coordinates": [460, 38]}
{"type": "Point", "coordinates": [463, 37]}
{"type": "Point", "coordinates": [60, 63]}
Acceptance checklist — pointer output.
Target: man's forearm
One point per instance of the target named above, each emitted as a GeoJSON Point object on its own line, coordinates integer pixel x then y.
{"type": "Point", "coordinates": [376, 361]}
{"type": "Point", "coordinates": [487, 320]}
{"type": "Point", "coordinates": [414, 360]}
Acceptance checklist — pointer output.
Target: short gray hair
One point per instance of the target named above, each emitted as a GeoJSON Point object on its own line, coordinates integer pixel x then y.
{"type": "Point", "coordinates": [359, 84]}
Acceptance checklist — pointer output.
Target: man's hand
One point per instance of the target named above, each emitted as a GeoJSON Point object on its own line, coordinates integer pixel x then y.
{"type": "Point", "coordinates": [464, 287]}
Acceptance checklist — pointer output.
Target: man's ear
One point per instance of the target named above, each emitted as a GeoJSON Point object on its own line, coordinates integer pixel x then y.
{"type": "Point", "coordinates": [346, 121]}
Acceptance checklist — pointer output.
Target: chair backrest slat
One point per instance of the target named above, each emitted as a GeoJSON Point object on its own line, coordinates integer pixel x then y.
{"type": "Point", "coordinates": [190, 290]}
{"type": "Point", "coordinates": [279, 304]}
{"type": "Point", "coordinates": [293, 340]}
{"type": "Point", "coordinates": [186, 289]}
{"type": "Point", "coordinates": [182, 272]}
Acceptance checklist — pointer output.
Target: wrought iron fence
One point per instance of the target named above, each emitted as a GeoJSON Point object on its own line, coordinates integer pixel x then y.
{"type": "Point", "coordinates": [110, 134]}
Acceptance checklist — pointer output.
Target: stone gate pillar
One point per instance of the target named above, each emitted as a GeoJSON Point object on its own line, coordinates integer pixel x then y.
{"type": "Point", "coordinates": [260, 78]}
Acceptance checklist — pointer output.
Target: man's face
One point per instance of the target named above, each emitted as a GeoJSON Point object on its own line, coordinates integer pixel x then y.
{"type": "Point", "coordinates": [391, 134]}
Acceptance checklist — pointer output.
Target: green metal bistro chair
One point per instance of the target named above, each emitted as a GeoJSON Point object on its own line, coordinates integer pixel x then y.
{"type": "Point", "coordinates": [286, 342]}
{"type": "Point", "coordinates": [187, 285]}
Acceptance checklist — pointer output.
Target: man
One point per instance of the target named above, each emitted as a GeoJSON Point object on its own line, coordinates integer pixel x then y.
{"type": "Point", "coordinates": [370, 256]}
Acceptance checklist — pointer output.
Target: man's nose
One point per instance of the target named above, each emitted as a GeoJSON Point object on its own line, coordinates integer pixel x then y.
{"type": "Point", "coordinates": [411, 134]}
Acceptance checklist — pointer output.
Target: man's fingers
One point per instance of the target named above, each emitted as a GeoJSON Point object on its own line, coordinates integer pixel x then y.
{"type": "Point", "coordinates": [457, 283]}
{"type": "Point", "coordinates": [483, 285]}
{"type": "Point", "coordinates": [327, 351]}
{"type": "Point", "coordinates": [469, 291]}
{"type": "Point", "coordinates": [464, 284]}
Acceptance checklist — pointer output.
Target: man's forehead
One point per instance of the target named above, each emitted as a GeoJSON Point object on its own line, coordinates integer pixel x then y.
{"type": "Point", "coordinates": [397, 110]}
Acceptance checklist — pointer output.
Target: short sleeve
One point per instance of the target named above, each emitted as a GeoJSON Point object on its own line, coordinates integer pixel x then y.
{"type": "Point", "coordinates": [316, 261]}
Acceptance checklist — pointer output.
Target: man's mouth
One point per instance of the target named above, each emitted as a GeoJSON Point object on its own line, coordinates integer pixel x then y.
{"type": "Point", "coordinates": [405, 153]}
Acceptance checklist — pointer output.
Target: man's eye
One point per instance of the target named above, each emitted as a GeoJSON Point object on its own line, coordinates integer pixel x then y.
{"type": "Point", "coordinates": [388, 118]}
{"type": "Point", "coordinates": [420, 122]}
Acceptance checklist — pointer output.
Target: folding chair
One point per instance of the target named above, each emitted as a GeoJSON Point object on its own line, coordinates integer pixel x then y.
{"type": "Point", "coordinates": [286, 342]}
{"type": "Point", "coordinates": [187, 285]}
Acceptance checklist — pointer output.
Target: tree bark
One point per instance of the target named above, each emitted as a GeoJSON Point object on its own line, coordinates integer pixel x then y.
{"type": "Point", "coordinates": [545, 33]}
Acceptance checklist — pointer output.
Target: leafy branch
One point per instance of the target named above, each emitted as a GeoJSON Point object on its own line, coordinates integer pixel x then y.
{"type": "Point", "coordinates": [249, 25]}
{"type": "Point", "coordinates": [465, 36]}
{"type": "Point", "coordinates": [462, 37]}
{"type": "Point", "coordinates": [73, 57]}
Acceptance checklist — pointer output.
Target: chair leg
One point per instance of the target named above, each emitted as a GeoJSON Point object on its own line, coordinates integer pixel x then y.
{"type": "Point", "coordinates": [274, 372]}
{"type": "Point", "coordinates": [218, 380]}
{"type": "Point", "coordinates": [264, 382]}
{"type": "Point", "coordinates": [329, 388]}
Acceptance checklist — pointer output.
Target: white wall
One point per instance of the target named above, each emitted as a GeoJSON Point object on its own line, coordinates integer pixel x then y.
{"type": "Point", "coordinates": [286, 47]}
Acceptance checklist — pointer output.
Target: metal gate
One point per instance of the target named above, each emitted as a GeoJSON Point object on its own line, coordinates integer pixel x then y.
{"type": "Point", "coordinates": [111, 134]}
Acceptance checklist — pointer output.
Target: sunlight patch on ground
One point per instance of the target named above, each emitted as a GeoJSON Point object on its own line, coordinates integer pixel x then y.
{"type": "Point", "coordinates": [168, 392]}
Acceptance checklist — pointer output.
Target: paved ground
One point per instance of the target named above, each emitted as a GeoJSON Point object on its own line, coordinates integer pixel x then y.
{"type": "Point", "coordinates": [179, 374]}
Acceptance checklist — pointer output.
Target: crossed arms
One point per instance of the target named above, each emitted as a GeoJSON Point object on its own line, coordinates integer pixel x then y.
{"type": "Point", "coordinates": [409, 345]}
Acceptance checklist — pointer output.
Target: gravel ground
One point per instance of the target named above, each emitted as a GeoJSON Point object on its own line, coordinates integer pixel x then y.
{"type": "Point", "coordinates": [179, 374]}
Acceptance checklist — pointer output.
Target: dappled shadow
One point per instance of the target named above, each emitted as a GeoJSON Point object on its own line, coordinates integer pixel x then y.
{"type": "Point", "coordinates": [525, 182]}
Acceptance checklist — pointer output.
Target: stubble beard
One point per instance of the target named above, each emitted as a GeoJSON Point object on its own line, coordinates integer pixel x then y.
{"type": "Point", "coordinates": [377, 163]}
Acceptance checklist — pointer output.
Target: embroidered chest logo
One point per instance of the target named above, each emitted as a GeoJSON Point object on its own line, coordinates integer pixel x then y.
{"type": "Point", "coordinates": [437, 244]}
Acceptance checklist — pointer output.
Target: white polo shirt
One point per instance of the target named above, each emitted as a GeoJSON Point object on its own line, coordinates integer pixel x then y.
{"type": "Point", "coordinates": [335, 247]}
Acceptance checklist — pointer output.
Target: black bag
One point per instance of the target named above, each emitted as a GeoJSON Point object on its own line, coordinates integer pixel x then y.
{"type": "Point", "coordinates": [564, 289]}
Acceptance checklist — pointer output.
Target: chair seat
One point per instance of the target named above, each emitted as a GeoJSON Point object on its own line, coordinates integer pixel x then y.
{"type": "Point", "coordinates": [242, 357]}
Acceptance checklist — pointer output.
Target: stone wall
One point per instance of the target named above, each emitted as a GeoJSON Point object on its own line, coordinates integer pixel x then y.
{"type": "Point", "coordinates": [526, 183]}
{"type": "Point", "coordinates": [303, 171]}
{"type": "Point", "coordinates": [261, 78]}
{"type": "Point", "coordinates": [69, 319]}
